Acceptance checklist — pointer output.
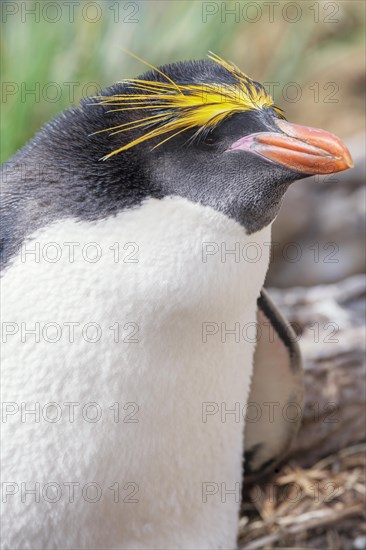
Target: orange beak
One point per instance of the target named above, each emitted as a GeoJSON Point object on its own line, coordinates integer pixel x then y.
{"type": "Point", "coordinates": [300, 148]}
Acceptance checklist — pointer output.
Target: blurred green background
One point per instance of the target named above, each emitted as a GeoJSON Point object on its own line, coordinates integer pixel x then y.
{"type": "Point", "coordinates": [56, 49]}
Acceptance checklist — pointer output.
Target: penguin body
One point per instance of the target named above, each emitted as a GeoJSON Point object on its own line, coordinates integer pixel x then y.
{"type": "Point", "coordinates": [111, 437]}
{"type": "Point", "coordinates": [165, 375]}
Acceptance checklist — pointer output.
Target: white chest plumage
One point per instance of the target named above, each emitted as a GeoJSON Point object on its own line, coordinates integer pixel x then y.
{"type": "Point", "coordinates": [129, 356]}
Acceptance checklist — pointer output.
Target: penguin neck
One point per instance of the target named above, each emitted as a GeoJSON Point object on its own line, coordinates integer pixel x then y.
{"type": "Point", "coordinates": [66, 156]}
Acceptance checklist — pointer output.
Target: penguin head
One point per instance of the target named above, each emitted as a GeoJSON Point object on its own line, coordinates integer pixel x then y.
{"type": "Point", "coordinates": [200, 130]}
{"type": "Point", "coordinates": [205, 131]}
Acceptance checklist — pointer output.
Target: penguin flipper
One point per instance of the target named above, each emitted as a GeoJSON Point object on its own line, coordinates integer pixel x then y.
{"type": "Point", "coordinates": [276, 395]}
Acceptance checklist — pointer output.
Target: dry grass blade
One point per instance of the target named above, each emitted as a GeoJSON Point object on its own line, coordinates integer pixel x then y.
{"type": "Point", "coordinates": [326, 500]}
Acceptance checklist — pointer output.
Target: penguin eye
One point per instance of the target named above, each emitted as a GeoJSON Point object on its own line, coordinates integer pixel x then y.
{"type": "Point", "coordinates": [210, 139]}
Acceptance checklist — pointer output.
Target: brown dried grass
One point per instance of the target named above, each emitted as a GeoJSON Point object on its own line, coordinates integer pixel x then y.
{"type": "Point", "coordinates": [322, 507]}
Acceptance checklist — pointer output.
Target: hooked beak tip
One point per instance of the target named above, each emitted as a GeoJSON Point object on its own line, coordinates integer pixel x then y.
{"type": "Point", "coordinates": [327, 151]}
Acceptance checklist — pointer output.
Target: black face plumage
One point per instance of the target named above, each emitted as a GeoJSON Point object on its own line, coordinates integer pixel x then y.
{"type": "Point", "coordinates": [59, 173]}
{"type": "Point", "coordinates": [244, 186]}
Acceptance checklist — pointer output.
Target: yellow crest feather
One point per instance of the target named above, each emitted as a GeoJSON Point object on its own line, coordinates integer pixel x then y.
{"type": "Point", "coordinates": [175, 108]}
